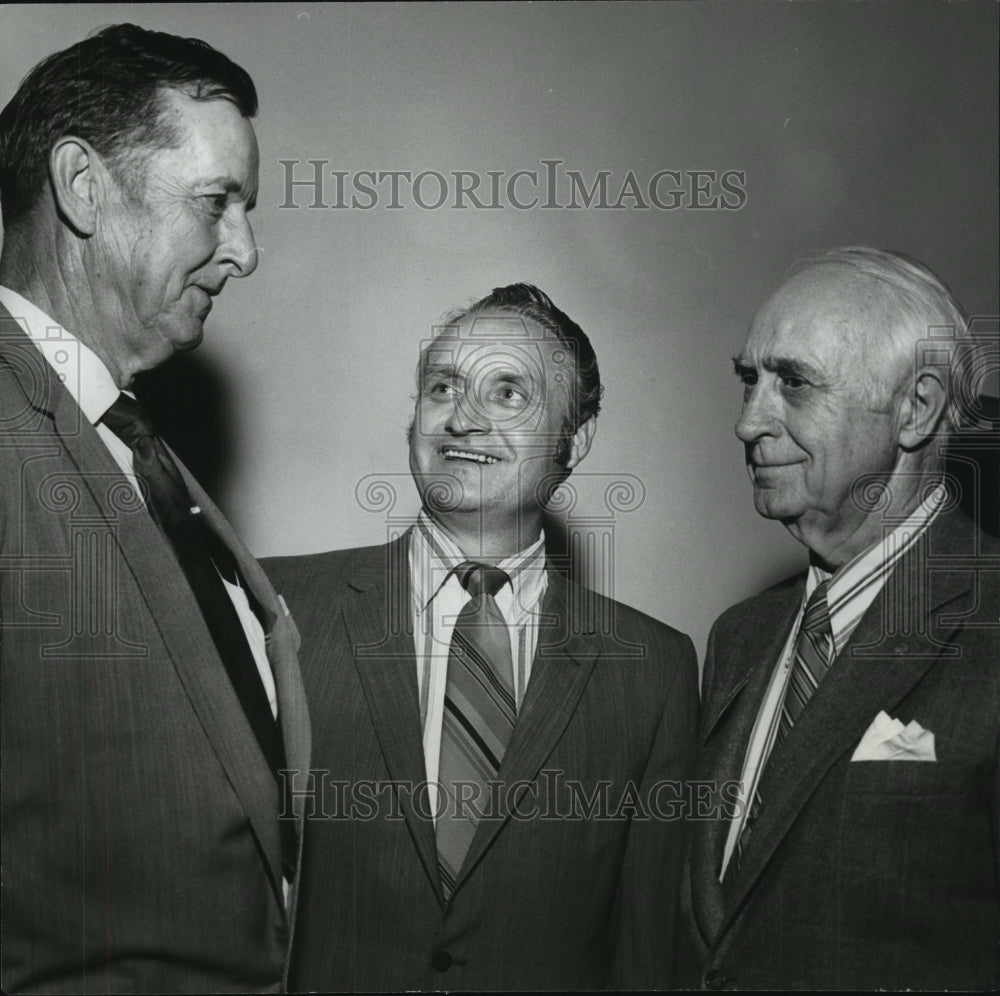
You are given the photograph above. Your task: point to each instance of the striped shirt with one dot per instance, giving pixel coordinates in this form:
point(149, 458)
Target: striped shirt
point(851, 591)
point(437, 598)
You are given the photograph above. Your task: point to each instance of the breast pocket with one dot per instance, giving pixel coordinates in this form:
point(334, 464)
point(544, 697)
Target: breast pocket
point(909, 778)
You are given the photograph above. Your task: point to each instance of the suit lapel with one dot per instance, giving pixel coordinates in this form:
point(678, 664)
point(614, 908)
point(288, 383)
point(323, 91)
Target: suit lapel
point(281, 644)
point(877, 669)
point(97, 482)
point(379, 625)
point(564, 659)
point(753, 653)
point(380, 628)
point(738, 693)
point(192, 652)
point(281, 635)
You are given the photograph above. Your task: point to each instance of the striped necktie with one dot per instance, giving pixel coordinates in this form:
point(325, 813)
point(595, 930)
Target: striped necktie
point(479, 715)
point(813, 657)
point(814, 653)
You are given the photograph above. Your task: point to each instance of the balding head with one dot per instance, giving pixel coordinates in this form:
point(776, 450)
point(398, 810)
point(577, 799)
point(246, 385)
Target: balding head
point(903, 315)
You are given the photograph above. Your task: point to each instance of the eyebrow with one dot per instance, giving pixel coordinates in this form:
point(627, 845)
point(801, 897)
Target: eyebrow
point(437, 368)
point(431, 369)
point(514, 376)
point(231, 186)
point(782, 366)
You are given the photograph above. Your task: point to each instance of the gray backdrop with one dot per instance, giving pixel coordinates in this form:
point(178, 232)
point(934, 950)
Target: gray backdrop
point(837, 123)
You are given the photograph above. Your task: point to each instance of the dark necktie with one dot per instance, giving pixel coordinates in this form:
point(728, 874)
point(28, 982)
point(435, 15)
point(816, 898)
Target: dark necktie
point(203, 558)
point(479, 714)
point(814, 653)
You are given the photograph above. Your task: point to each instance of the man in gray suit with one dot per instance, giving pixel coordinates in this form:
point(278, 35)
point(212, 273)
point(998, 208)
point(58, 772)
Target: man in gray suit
point(150, 689)
point(858, 703)
point(500, 753)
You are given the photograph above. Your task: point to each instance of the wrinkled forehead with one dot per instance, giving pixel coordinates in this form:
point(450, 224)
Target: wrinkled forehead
point(208, 133)
point(479, 344)
point(821, 311)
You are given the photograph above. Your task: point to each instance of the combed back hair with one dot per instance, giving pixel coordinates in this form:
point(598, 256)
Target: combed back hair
point(923, 320)
point(529, 302)
point(105, 90)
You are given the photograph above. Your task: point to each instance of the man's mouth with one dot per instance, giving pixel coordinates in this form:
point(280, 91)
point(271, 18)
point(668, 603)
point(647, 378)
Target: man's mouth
point(767, 471)
point(450, 453)
point(207, 293)
point(209, 290)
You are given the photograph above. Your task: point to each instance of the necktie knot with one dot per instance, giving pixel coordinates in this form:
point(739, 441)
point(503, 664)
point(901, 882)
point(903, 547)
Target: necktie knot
point(128, 421)
point(481, 579)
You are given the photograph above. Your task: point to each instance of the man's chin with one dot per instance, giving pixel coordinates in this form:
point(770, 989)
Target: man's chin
point(771, 504)
point(162, 343)
point(189, 337)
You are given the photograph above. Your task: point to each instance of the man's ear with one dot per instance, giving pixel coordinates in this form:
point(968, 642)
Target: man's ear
point(580, 443)
point(923, 412)
point(76, 170)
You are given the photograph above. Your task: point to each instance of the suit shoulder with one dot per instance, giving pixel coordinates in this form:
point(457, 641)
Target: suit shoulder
point(761, 605)
point(24, 388)
point(303, 573)
point(630, 622)
point(653, 663)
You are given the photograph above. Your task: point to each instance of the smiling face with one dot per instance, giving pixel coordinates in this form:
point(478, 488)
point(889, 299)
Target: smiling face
point(808, 424)
point(172, 232)
point(492, 404)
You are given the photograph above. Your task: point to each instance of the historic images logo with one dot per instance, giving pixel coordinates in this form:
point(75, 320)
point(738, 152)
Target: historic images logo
point(313, 184)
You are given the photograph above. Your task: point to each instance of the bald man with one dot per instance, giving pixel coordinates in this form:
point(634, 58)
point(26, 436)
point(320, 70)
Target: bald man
point(857, 703)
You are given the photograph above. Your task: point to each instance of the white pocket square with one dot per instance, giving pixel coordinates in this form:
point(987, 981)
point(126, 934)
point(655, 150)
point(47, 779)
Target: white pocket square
point(888, 740)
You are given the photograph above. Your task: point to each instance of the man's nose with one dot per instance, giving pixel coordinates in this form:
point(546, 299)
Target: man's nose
point(759, 414)
point(238, 250)
point(468, 414)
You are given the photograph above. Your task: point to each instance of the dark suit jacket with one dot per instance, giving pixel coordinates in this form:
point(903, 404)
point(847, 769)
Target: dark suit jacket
point(140, 845)
point(862, 874)
point(541, 903)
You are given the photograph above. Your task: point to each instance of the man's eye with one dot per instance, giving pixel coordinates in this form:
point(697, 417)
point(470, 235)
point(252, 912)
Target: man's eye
point(217, 203)
point(441, 388)
point(747, 377)
point(792, 383)
point(509, 395)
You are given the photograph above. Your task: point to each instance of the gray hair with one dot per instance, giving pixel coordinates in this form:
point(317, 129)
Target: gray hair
point(926, 324)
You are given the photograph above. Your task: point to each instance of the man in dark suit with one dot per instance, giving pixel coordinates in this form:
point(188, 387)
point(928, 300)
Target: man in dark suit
point(858, 703)
point(499, 752)
point(150, 689)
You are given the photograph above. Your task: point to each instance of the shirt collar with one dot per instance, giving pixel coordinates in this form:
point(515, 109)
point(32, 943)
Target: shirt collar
point(79, 369)
point(855, 580)
point(434, 555)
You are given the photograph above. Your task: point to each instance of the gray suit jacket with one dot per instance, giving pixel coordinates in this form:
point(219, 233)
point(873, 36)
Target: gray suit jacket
point(140, 845)
point(861, 875)
point(556, 902)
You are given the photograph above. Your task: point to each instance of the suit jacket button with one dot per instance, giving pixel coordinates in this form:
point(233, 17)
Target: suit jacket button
point(441, 960)
point(715, 980)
